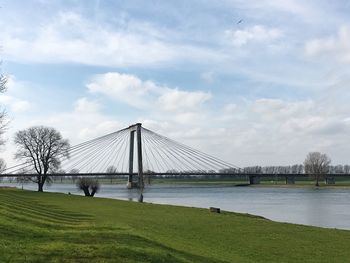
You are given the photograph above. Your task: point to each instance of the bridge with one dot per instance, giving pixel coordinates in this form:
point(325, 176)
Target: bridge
point(136, 152)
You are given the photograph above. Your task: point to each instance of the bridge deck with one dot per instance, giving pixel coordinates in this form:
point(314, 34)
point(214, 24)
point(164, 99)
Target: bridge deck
point(174, 174)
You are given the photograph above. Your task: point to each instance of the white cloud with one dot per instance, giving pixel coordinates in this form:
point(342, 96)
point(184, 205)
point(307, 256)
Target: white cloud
point(101, 128)
point(337, 47)
point(147, 94)
point(231, 107)
point(85, 106)
point(230, 112)
point(71, 38)
point(178, 100)
point(208, 77)
point(172, 111)
point(277, 131)
point(254, 34)
point(277, 108)
point(83, 123)
point(20, 106)
point(306, 11)
point(123, 87)
point(12, 98)
point(290, 6)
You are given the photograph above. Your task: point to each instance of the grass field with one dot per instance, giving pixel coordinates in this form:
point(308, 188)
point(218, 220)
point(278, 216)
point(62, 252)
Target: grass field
point(48, 227)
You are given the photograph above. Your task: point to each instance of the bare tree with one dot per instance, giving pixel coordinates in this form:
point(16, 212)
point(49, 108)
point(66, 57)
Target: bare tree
point(74, 171)
point(43, 148)
point(111, 170)
point(346, 169)
point(3, 122)
point(61, 177)
point(89, 186)
point(3, 82)
point(148, 174)
point(317, 165)
point(2, 167)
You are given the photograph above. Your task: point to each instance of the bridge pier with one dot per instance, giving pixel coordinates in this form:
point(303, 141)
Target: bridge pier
point(139, 158)
point(330, 180)
point(253, 179)
point(131, 184)
point(290, 180)
point(131, 159)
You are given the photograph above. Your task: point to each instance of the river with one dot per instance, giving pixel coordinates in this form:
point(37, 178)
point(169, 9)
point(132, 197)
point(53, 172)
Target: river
point(324, 207)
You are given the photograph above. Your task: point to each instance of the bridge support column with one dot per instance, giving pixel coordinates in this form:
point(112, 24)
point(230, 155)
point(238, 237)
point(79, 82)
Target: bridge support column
point(135, 128)
point(131, 159)
point(253, 179)
point(290, 180)
point(139, 157)
point(330, 180)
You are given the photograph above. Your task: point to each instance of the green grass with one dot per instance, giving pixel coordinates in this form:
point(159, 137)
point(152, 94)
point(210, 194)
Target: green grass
point(49, 227)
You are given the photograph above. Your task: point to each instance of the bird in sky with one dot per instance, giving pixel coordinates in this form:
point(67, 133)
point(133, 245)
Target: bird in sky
point(240, 21)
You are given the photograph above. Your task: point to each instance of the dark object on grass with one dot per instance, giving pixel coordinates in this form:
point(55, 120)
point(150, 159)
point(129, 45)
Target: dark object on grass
point(141, 198)
point(214, 209)
point(89, 186)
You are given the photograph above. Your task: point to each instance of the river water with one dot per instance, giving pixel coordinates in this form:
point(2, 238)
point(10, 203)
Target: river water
point(324, 207)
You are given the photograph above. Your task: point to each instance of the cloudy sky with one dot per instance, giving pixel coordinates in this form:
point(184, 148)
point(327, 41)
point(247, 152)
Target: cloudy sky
point(263, 91)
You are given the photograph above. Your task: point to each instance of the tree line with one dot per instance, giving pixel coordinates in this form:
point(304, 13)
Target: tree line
point(293, 169)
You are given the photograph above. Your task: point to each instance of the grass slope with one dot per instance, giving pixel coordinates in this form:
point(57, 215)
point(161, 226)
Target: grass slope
point(47, 227)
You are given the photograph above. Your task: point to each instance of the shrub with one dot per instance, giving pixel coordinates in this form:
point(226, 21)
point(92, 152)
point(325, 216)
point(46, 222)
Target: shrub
point(88, 185)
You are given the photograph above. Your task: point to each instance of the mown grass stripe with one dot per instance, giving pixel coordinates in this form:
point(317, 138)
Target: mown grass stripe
point(47, 209)
point(50, 214)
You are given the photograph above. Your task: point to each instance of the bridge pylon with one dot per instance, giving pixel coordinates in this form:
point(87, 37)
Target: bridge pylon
point(136, 128)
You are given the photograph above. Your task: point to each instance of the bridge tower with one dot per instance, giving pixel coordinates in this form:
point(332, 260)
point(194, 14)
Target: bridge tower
point(136, 128)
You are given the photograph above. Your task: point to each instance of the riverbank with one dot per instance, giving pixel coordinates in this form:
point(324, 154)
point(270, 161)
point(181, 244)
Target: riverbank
point(342, 182)
point(42, 227)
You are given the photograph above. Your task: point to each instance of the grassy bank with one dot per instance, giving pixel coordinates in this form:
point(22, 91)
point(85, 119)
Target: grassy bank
point(47, 227)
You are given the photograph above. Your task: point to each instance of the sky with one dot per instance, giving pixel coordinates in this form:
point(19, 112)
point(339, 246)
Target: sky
point(250, 82)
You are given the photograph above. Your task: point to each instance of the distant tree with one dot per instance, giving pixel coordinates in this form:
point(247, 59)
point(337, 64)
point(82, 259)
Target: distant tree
point(252, 170)
point(3, 122)
point(74, 171)
point(60, 177)
point(89, 186)
point(346, 169)
point(43, 148)
point(339, 169)
point(2, 167)
point(3, 82)
point(316, 165)
point(111, 170)
point(22, 177)
point(148, 175)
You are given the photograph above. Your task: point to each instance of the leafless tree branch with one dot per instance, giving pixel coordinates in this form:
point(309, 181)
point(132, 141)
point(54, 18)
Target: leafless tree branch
point(42, 147)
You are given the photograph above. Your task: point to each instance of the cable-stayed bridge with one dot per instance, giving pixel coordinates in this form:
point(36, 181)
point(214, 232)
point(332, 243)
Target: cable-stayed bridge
point(134, 152)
